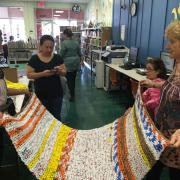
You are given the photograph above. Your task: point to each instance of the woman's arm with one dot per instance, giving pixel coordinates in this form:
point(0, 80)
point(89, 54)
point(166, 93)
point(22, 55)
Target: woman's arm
point(149, 84)
point(31, 74)
point(61, 70)
point(14, 92)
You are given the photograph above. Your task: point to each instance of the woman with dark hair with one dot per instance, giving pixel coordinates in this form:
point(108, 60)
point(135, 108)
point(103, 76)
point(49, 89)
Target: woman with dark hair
point(45, 68)
point(71, 54)
point(156, 72)
point(11, 38)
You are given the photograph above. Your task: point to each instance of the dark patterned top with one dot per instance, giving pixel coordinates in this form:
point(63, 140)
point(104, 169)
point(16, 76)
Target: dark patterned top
point(47, 87)
point(168, 118)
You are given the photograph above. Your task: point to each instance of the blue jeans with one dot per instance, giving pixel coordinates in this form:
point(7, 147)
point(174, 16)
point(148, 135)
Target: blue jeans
point(54, 106)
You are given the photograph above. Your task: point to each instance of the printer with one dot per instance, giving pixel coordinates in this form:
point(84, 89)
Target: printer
point(115, 54)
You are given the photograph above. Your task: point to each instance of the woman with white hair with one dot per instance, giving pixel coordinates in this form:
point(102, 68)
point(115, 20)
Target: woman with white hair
point(168, 116)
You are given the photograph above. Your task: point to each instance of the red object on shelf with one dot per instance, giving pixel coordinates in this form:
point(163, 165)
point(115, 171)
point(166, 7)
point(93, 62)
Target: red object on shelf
point(40, 4)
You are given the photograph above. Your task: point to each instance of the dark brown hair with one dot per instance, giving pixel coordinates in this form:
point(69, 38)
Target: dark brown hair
point(159, 66)
point(46, 38)
point(68, 33)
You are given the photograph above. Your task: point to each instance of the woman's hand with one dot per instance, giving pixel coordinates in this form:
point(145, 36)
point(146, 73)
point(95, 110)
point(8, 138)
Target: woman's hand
point(175, 139)
point(61, 70)
point(27, 92)
point(31, 74)
point(147, 83)
point(1, 115)
point(47, 73)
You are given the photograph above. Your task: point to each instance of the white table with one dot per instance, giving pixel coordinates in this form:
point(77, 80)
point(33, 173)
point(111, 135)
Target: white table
point(130, 73)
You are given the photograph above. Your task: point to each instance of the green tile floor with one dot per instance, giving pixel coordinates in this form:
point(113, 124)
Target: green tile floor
point(92, 108)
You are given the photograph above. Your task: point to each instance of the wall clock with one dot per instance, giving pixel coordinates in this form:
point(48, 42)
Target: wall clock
point(133, 8)
point(76, 8)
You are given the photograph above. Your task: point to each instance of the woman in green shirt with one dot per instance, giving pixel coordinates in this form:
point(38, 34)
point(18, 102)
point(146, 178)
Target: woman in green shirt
point(71, 54)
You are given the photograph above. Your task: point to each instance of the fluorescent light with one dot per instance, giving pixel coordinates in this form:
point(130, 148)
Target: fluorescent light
point(57, 15)
point(59, 12)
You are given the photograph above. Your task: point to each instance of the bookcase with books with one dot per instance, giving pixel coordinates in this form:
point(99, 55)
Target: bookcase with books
point(94, 39)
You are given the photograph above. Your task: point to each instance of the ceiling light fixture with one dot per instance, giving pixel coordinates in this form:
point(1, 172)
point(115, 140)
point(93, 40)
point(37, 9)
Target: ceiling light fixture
point(56, 15)
point(59, 12)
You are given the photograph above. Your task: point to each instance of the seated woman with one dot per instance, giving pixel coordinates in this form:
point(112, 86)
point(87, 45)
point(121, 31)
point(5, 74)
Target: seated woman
point(6, 103)
point(156, 72)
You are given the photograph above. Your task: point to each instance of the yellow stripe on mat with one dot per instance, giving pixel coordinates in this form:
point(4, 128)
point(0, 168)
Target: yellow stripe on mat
point(33, 162)
point(139, 144)
point(56, 154)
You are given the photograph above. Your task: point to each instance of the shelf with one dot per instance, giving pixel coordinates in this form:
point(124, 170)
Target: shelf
point(95, 45)
point(93, 40)
point(87, 57)
point(93, 37)
point(94, 29)
point(98, 51)
point(89, 67)
point(18, 59)
point(72, 32)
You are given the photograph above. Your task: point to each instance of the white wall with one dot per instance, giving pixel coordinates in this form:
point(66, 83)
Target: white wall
point(29, 16)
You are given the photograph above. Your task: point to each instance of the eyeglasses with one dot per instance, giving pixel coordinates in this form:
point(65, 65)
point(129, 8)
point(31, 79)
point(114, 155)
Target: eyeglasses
point(149, 69)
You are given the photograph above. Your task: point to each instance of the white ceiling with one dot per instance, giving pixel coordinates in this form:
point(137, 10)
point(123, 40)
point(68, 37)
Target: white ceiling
point(64, 1)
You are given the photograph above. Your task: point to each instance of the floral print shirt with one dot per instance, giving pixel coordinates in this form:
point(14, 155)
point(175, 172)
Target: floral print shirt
point(168, 118)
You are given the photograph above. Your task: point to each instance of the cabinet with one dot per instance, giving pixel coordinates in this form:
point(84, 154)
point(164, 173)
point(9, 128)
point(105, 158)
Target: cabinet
point(99, 79)
point(93, 40)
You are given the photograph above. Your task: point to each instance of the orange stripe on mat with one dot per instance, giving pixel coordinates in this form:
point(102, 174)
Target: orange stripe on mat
point(122, 150)
point(21, 128)
point(9, 120)
point(25, 137)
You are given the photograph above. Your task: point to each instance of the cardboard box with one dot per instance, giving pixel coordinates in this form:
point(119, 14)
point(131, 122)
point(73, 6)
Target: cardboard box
point(11, 74)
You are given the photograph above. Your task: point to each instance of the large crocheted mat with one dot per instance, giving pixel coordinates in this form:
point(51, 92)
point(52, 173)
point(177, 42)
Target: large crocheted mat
point(124, 149)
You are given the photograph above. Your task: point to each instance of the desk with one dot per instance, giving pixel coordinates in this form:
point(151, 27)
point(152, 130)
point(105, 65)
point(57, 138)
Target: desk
point(130, 73)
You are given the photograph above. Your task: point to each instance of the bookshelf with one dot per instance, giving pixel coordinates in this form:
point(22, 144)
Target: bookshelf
point(21, 51)
point(92, 41)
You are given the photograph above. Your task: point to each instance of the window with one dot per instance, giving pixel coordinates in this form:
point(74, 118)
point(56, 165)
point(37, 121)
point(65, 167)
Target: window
point(12, 23)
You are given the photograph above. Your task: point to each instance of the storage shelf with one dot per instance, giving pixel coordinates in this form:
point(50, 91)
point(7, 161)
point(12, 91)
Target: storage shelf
point(93, 40)
point(93, 37)
point(89, 67)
